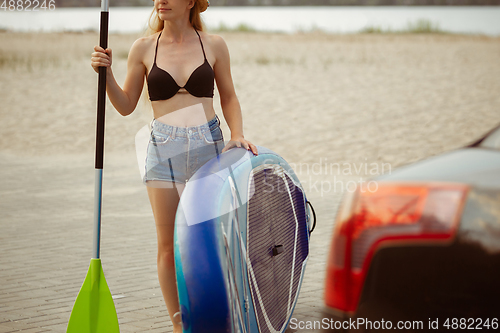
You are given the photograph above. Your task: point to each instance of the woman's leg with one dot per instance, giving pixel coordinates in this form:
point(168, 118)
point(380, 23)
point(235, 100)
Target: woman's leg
point(164, 203)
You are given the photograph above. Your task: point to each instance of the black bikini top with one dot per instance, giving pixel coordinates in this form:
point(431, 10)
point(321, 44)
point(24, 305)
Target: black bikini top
point(162, 86)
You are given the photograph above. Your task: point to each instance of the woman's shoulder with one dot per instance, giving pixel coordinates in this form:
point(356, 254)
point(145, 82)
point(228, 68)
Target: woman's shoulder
point(143, 43)
point(216, 42)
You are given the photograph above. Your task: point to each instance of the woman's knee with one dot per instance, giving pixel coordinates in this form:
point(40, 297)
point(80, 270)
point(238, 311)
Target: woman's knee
point(166, 256)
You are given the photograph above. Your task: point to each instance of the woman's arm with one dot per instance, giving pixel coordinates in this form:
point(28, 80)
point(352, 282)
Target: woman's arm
point(124, 100)
point(229, 101)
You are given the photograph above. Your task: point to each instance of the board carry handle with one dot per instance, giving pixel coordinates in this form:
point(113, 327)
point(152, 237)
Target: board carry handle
point(314, 215)
point(277, 249)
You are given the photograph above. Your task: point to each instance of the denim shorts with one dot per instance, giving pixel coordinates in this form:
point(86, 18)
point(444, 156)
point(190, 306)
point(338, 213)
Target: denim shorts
point(175, 153)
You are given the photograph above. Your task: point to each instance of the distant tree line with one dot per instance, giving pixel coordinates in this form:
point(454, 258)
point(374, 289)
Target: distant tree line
point(117, 3)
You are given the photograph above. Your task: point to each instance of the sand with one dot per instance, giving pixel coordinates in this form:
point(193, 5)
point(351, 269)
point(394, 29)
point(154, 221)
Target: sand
point(361, 101)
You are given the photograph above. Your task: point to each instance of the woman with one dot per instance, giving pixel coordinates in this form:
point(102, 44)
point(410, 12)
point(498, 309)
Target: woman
point(185, 131)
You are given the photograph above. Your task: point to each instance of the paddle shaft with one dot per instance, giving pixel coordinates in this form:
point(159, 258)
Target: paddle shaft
point(99, 151)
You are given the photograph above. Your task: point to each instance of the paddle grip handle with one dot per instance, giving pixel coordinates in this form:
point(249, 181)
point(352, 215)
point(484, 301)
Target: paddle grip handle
point(101, 95)
point(99, 151)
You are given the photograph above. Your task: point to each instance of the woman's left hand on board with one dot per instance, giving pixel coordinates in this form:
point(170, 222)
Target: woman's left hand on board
point(240, 143)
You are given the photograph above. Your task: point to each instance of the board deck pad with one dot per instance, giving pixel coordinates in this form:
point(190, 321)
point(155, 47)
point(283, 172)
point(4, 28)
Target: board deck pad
point(241, 243)
point(275, 213)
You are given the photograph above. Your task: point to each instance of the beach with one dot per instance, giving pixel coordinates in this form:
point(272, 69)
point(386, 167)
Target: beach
point(338, 108)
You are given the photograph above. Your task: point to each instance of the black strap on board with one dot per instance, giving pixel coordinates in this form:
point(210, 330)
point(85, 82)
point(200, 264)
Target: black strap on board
point(314, 215)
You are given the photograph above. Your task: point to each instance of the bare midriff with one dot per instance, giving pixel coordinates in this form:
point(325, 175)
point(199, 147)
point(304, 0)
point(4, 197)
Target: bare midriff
point(184, 110)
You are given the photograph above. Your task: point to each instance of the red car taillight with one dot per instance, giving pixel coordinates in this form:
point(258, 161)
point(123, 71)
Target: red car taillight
point(393, 214)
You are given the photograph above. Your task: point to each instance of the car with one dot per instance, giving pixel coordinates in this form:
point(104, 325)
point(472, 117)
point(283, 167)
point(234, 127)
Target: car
point(421, 252)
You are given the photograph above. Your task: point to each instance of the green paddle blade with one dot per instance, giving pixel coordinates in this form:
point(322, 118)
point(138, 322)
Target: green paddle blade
point(94, 310)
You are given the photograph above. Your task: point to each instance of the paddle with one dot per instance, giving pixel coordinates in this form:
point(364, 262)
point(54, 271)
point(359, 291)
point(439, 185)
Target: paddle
point(94, 310)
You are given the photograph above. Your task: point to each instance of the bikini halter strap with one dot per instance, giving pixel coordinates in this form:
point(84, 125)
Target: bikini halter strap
point(158, 39)
point(202, 48)
point(156, 51)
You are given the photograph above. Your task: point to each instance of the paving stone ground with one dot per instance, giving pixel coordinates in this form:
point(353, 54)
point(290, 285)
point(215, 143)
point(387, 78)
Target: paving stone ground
point(46, 212)
point(383, 98)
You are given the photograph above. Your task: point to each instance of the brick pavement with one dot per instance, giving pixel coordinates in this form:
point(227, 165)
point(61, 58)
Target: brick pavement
point(46, 210)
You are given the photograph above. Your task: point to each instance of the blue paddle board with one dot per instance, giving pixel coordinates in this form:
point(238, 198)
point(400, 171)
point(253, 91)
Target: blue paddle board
point(241, 244)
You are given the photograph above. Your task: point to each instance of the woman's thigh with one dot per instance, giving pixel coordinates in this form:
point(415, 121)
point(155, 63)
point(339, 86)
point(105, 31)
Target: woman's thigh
point(164, 202)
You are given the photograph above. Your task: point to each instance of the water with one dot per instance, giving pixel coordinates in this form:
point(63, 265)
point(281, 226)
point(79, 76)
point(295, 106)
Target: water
point(475, 20)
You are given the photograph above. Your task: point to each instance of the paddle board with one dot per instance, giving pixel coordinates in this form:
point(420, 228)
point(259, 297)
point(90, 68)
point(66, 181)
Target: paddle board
point(241, 244)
